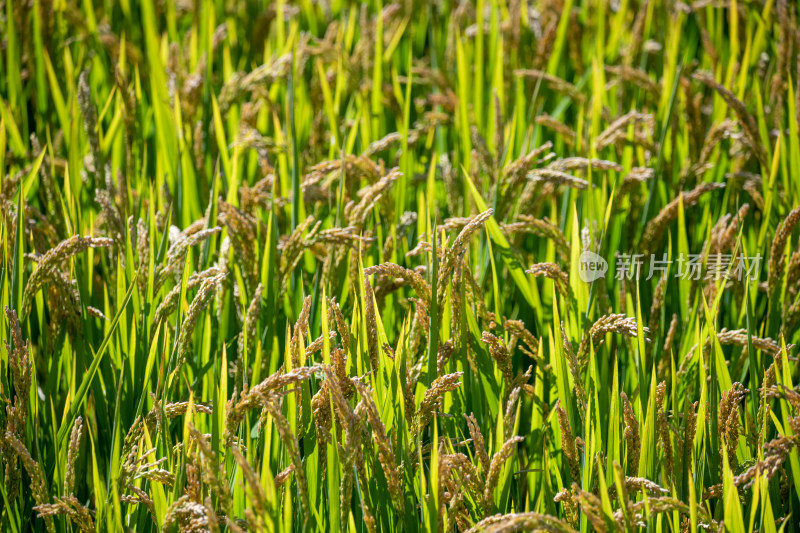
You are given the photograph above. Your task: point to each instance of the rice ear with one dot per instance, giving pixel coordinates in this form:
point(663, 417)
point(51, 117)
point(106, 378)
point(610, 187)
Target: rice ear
point(568, 447)
point(654, 230)
point(631, 434)
point(72, 455)
point(38, 485)
point(576, 369)
point(198, 305)
point(664, 432)
point(385, 452)
point(49, 264)
point(439, 388)
point(499, 459)
point(748, 122)
point(777, 251)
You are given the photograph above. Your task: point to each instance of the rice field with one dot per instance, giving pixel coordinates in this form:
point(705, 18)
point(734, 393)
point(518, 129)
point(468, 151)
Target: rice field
point(502, 265)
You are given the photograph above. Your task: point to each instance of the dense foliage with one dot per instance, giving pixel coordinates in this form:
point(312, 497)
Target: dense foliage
point(503, 265)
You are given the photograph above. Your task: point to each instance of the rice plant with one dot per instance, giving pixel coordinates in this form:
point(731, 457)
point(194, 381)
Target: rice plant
point(415, 266)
